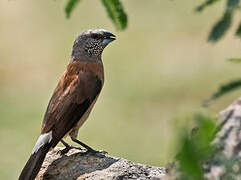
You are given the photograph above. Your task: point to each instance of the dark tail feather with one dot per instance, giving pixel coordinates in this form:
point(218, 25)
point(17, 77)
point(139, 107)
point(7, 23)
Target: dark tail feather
point(32, 167)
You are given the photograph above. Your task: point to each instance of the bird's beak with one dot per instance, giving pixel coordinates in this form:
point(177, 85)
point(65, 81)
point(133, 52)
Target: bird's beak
point(109, 34)
point(109, 38)
point(106, 41)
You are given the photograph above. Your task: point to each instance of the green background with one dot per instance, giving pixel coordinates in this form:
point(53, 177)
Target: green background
point(157, 73)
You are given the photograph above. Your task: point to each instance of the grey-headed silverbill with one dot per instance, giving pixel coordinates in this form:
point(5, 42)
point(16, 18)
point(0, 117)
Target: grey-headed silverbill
point(73, 98)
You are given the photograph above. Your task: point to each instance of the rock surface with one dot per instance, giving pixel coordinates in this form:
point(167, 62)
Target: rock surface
point(80, 165)
point(226, 164)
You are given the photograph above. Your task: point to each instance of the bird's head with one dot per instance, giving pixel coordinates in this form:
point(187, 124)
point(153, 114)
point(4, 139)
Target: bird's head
point(90, 44)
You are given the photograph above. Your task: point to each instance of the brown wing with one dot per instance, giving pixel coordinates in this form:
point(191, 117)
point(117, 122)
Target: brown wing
point(74, 94)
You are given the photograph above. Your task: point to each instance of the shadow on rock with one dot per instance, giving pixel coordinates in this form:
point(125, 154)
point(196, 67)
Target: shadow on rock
point(75, 165)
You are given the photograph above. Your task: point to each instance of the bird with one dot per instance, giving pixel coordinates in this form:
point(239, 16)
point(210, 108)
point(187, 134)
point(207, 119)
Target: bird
point(72, 99)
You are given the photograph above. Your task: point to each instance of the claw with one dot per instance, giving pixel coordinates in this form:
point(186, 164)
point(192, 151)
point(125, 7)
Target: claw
point(67, 148)
point(64, 151)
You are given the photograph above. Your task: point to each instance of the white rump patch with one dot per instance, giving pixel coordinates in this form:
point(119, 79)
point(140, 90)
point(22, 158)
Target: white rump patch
point(43, 139)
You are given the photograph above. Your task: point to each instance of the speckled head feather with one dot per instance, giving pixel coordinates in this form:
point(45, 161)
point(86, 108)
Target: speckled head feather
point(90, 44)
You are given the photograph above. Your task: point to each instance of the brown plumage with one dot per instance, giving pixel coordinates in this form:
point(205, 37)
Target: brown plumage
point(73, 98)
point(77, 91)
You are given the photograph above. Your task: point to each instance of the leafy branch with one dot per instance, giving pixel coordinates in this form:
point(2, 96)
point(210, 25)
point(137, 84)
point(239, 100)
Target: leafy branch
point(116, 13)
point(206, 4)
point(224, 89)
point(222, 26)
point(114, 10)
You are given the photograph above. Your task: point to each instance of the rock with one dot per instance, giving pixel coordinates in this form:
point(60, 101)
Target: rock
point(80, 165)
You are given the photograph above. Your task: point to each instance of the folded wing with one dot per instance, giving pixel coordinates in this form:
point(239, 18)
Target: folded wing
point(74, 94)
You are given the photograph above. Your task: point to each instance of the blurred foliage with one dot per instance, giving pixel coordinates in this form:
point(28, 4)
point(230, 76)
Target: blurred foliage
point(116, 13)
point(70, 7)
point(199, 153)
point(206, 4)
point(238, 32)
point(224, 89)
point(217, 32)
point(221, 27)
point(235, 60)
point(114, 9)
point(197, 148)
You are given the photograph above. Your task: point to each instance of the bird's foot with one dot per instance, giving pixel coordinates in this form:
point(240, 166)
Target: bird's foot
point(68, 148)
point(64, 151)
point(88, 148)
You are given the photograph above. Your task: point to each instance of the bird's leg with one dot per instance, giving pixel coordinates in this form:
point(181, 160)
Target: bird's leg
point(86, 146)
point(67, 147)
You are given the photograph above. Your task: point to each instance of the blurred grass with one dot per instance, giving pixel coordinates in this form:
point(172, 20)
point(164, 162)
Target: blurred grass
point(157, 72)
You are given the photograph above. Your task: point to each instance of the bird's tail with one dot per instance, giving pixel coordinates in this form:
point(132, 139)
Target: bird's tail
point(32, 167)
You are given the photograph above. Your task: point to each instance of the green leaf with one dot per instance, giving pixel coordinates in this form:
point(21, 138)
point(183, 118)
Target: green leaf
point(206, 132)
point(220, 27)
point(197, 148)
point(70, 6)
point(116, 13)
point(232, 4)
point(190, 167)
point(236, 60)
point(238, 32)
point(224, 89)
point(205, 4)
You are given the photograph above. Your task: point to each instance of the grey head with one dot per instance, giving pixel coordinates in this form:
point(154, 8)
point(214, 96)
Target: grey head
point(90, 44)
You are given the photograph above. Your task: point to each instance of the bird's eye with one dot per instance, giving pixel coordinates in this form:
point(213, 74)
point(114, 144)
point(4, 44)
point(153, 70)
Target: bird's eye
point(95, 36)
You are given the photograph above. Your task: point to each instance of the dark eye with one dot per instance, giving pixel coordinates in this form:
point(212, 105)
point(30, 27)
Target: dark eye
point(95, 36)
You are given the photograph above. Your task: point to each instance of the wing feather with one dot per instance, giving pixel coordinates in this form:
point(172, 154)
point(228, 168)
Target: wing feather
point(71, 99)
